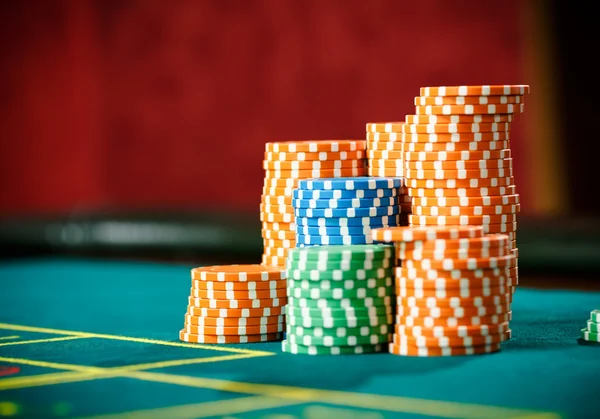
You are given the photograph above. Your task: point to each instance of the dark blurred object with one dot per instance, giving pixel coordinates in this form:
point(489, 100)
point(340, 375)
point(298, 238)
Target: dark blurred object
point(546, 245)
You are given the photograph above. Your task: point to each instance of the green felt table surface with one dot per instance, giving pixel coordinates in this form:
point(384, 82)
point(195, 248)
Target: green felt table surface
point(95, 338)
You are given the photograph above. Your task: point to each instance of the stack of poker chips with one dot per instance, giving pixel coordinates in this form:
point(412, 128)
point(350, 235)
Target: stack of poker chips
point(385, 158)
point(343, 211)
point(235, 304)
point(340, 299)
point(590, 335)
point(287, 162)
point(457, 158)
point(453, 295)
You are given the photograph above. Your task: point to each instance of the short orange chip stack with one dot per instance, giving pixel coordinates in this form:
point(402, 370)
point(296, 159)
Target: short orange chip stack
point(235, 304)
point(287, 162)
point(452, 290)
point(385, 158)
point(457, 158)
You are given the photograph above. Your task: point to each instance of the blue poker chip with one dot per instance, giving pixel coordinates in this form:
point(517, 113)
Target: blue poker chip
point(351, 183)
point(375, 222)
point(343, 194)
point(346, 203)
point(334, 230)
point(332, 240)
point(346, 212)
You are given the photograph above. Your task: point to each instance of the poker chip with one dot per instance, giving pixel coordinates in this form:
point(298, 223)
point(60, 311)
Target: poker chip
point(345, 203)
point(458, 164)
point(344, 194)
point(315, 146)
point(316, 240)
point(441, 192)
point(326, 231)
point(302, 156)
point(459, 174)
point(454, 146)
point(507, 89)
point(457, 155)
point(198, 338)
point(334, 322)
point(437, 220)
point(457, 211)
point(467, 100)
point(590, 335)
point(343, 253)
point(350, 183)
point(457, 119)
point(293, 348)
point(381, 221)
point(470, 109)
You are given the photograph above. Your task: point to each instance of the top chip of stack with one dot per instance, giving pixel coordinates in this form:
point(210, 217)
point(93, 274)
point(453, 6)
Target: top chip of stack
point(287, 162)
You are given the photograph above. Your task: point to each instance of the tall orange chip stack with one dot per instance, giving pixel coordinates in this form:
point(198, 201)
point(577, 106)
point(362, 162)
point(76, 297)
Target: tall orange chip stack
point(287, 162)
point(457, 158)
point(385, 158)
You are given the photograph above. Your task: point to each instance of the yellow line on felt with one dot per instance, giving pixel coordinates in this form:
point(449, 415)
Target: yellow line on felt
point(7, 326)
point(9, 337)
point(27, 342)
point(203, 410)
point(191, 361)
point(362, 400)
point(54, 378)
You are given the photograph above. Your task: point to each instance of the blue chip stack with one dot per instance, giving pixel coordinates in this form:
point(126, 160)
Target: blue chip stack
point(342, 211)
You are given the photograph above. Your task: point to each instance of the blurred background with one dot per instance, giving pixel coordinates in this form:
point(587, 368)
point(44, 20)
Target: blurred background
point(136, 128)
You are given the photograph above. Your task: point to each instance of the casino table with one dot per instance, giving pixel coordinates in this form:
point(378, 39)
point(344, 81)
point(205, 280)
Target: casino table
point(90, 337)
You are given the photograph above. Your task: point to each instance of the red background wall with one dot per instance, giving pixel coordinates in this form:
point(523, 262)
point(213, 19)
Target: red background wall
point(168, 104)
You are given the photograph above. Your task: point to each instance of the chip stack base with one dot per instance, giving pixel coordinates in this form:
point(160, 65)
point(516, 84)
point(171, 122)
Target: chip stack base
point(285, 163)
point(452, 289)
point(340, 300)
point(235, 304)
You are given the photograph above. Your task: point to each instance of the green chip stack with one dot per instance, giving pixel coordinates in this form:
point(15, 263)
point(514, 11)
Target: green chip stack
point(340, 299)
point(590, 335)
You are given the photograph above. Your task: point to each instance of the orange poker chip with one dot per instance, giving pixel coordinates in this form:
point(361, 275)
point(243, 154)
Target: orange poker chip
point(256, 303)
point(274, 191)
point(384, 126)
point(459, 174)
point(384, 154)
point(441, 254)
point(491, 90)
point(273, 261)
point(233, 322)
point(312, 165)
point(277, 209)
point(504, 228)
point(452, 288)
point(455, 128)
point(419, 142)
point(456, 302)
point(314, 146)
point(194, 338)
point(459, 164)
point(457, 119)
point(467, 100)
point(281, 252)
point(316, 156)
point(234, 331)
point(453, 321)
point(279, 226)
point(278, 235)
point(462, 192)
point(466, 201)
point(452, 292)
point(515, 252)
point(456, 275)
point(276, 200)
point(406, 350)
point(446, 342)
point(239, 286)
point(409, 234)
point(456, 146)
point(290, 183)
point(237, 273)
point(460, 183)
point(383, 137)
point(469, 211)
point(309, 174)
point(386, 163)
point(486, 241)
point(453, 332)
point(435, 220)
point(274, 243)
point(470, 109)
point(385, 145)
point(385, 172)
point(276, 218)
point(457, 155)
point(458, 312)
point(239, 294)
point(471, 263)
point(235, 312)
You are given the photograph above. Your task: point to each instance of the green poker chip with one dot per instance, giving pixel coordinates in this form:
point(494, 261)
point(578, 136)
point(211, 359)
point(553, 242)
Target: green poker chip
point(320, 313)
point(590, 336)
point(340, 293)
point(347, 284)
point(595, 316)
point(306, 340)
point(333, 322)
point(341, 265)
point(337, 275)
point(351, 252)
point(593, 326)
point(340, 331)
point(292, 348)
point(342, 303)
